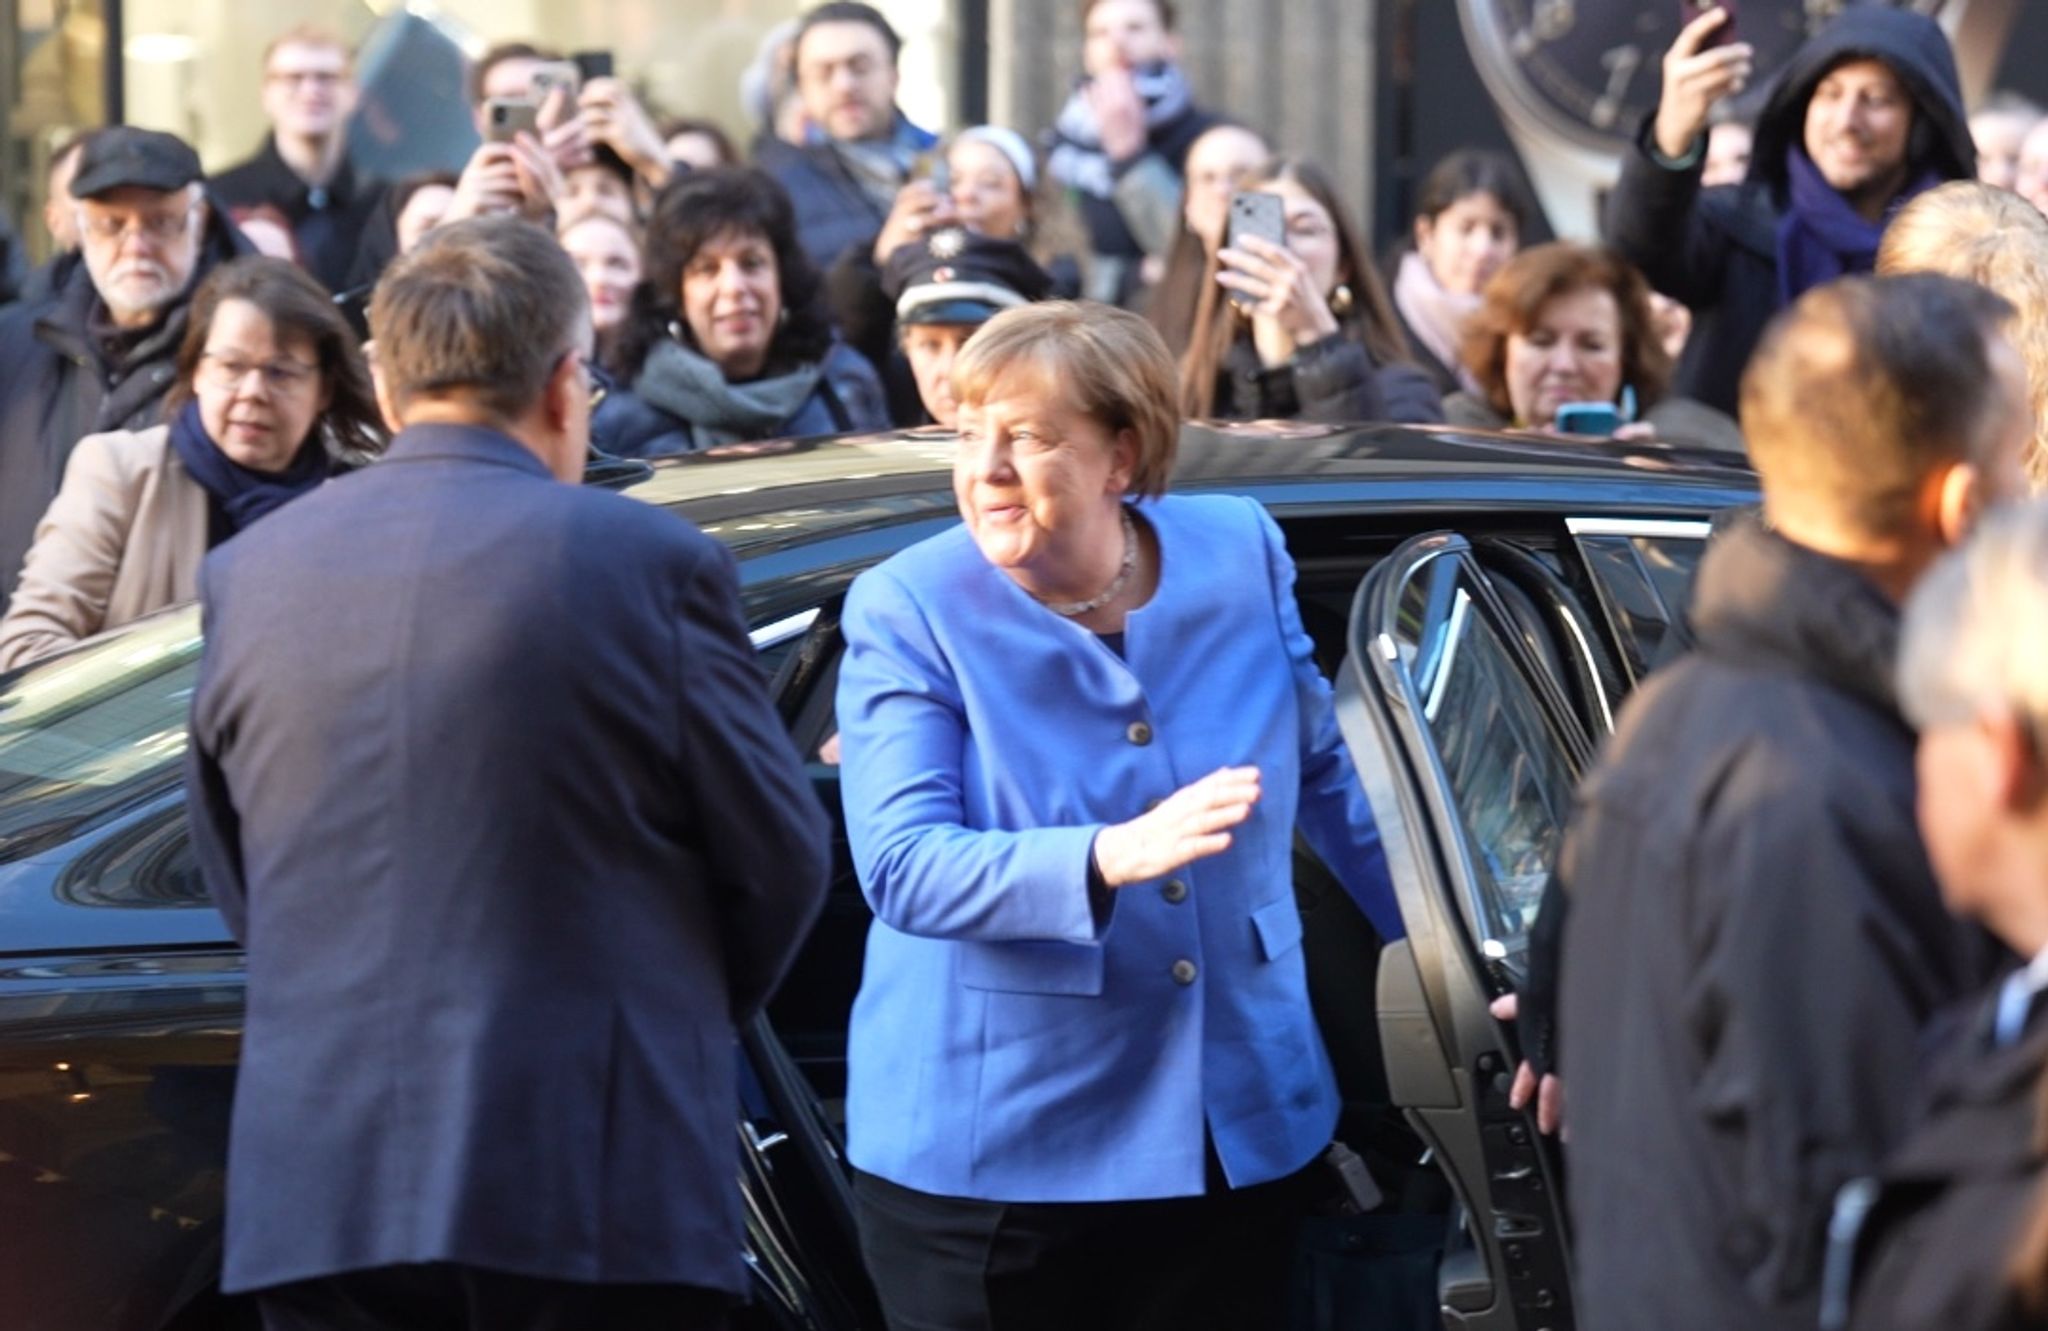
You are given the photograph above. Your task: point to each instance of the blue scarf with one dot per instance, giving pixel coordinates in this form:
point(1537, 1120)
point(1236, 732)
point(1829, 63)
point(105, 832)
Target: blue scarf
point(1821, 237)
point(240, 495)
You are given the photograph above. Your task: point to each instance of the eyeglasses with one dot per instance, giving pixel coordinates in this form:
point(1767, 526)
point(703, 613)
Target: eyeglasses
point(594, 379)
point(279, 376)
point(318, 78)
point(159, 227)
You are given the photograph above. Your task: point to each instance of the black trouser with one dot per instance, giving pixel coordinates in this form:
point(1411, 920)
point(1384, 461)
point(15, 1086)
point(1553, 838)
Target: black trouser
point(442, 1296)
point(1220, 1260)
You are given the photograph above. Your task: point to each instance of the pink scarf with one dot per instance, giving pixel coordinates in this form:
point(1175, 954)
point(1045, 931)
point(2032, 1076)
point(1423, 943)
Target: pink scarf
point(1435, 315)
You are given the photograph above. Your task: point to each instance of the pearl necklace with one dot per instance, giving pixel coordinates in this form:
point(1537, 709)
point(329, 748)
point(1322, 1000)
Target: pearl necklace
point(1070, 609)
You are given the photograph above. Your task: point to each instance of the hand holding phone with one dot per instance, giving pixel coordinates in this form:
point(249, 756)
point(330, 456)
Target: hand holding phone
point(1704, 66)
point(1255, 213)
point(1689, 11)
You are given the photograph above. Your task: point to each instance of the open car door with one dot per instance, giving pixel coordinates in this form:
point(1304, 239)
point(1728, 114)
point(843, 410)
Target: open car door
point(1470, 755)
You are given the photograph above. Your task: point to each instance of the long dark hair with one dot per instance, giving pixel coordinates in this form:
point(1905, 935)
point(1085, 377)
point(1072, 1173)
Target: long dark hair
point(1369, 320)
point(297, 306)
point(693, 210)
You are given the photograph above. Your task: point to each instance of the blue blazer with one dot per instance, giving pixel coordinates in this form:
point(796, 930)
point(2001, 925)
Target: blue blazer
point(484, 774)
point(1011, 1042)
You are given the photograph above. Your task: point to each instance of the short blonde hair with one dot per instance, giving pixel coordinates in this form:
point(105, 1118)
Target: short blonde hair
point(1110, 364)
point(1996, 239)
point(310, 34)
point(1975, 635)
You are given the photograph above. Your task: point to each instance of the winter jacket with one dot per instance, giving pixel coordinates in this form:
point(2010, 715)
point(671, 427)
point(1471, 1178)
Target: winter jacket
point(60, 381)
point(833, 212)
point(328, 221)
point(1952, 1203)
point(1755, 942)
point(847, 400)
point(1332, 382)
point(1716, 250)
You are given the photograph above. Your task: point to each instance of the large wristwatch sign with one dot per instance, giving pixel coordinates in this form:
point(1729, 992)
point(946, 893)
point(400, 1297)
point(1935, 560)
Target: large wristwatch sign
point(1574, 78)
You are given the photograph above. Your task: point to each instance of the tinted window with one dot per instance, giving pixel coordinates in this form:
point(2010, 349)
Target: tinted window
point(1645, 584)
point(1508, 774)
point(94, 731)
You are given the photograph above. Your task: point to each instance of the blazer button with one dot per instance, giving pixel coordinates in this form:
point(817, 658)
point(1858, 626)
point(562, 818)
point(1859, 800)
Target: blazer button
point(1139, 733)
point(1174, 890)
point(1184, 971)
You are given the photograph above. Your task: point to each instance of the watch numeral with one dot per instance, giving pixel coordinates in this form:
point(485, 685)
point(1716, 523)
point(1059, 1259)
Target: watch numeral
point(1552, 19)
point(1621, 64)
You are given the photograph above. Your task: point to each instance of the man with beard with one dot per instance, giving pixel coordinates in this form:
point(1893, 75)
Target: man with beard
point(854, 176)
point(97, 353)
point(1864, 116)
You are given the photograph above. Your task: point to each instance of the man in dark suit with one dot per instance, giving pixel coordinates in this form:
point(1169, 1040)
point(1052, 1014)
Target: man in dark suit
point(1953, 1230)
point(484, 776)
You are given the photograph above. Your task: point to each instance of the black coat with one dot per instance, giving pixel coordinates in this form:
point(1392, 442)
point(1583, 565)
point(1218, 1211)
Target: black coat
point(59, 382)
point(484, 774)
point(1331, 382)
point(1956, 1196)
point(1716, 250)
point(1754, 943)
point(329, 223)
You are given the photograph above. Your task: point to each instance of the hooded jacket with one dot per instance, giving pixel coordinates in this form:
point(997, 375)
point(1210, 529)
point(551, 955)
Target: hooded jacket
point(60, 382)
point(1724, 262)
point(1754, 945)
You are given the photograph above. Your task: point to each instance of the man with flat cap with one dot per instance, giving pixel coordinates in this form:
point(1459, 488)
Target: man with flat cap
point(943, 288)
point(98, 352)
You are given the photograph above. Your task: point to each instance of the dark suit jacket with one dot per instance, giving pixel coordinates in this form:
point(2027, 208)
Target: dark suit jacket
point(1962, 1188)
point(485, 777)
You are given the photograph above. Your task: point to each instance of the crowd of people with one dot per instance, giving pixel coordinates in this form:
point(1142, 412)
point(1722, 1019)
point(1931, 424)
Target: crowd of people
point(1747, 938)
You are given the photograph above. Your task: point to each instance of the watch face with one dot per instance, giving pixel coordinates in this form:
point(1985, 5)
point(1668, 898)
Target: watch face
point(1592, 69)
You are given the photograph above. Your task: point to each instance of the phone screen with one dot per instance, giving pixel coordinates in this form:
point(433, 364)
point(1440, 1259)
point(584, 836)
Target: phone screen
point(593, 64)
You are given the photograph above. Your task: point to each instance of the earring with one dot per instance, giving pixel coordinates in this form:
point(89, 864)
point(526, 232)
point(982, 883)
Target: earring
point(782, 319)
point(1340, 300)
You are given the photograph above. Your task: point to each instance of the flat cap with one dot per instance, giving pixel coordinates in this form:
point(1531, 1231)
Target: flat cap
point(123, 155)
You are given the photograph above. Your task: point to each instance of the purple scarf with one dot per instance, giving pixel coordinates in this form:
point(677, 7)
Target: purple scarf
point(1821, 237)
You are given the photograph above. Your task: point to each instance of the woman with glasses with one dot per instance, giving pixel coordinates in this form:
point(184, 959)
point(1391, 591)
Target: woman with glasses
point(1301, 330)
point(271, 397)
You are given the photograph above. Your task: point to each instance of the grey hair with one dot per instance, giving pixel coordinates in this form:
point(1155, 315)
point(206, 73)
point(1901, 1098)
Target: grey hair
point(1975, 634)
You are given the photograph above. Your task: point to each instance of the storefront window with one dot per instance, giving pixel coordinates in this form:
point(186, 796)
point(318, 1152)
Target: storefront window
point(194, 67)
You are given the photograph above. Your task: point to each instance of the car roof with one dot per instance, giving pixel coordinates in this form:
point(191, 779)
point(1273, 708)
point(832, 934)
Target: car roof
point(759, 496)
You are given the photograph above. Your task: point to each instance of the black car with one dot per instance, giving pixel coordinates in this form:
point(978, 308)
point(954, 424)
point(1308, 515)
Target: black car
point(1483, 603)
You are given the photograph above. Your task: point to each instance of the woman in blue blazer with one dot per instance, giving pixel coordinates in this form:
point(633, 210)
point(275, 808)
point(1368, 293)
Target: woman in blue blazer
point(1078, 733)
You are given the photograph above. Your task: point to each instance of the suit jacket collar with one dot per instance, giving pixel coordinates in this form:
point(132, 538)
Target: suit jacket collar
point(465, 443)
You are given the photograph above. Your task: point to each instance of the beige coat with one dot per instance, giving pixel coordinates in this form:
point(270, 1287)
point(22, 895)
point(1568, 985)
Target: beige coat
point(123, 537)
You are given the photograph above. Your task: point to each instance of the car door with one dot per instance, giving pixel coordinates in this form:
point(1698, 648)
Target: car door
point(1470, 753)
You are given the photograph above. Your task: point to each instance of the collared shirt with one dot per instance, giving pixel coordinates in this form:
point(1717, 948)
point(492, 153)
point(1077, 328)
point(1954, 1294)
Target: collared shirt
point(2016, 1000)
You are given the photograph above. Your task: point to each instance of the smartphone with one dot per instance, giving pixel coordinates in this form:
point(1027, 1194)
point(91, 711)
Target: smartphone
point(1597, 420)
point(556, 74)
point(506, 117)
point(932, 166)
point(1255, 214)
point(592, 64)
point(1688, 10)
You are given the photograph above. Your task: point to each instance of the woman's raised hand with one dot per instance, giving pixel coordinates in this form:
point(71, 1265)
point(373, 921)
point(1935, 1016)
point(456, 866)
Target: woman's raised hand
point(1287, 312)
point(1191, 824)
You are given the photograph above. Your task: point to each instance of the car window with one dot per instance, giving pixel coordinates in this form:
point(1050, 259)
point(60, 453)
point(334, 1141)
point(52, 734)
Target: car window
point(1643, 571)
point(94, 730)
point(1507, 770)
